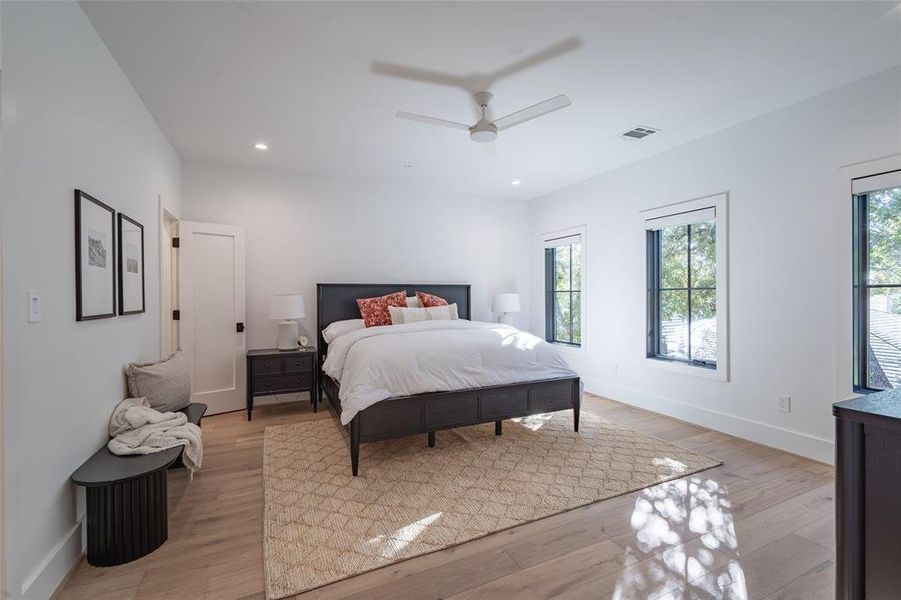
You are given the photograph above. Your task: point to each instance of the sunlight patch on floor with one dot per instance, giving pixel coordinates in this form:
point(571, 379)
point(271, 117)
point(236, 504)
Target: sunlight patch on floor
point(679, 527)
point(534, 422)
point(675, 467)
point(391, 544)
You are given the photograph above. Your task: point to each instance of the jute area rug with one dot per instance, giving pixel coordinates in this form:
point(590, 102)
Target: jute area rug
point(321, 524)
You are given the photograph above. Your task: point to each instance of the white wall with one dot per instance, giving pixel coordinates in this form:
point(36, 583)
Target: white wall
point(70, 120)
point(787, 283)
point(305, 230)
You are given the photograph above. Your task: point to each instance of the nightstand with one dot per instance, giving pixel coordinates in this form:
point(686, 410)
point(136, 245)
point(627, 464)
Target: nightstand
point(274, 371)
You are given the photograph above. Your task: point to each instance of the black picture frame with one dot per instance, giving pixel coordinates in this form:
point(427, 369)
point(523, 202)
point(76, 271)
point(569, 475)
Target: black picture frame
point(125, 265)
point(82, 199)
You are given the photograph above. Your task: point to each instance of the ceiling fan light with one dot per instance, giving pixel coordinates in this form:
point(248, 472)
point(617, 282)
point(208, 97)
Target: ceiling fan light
point(483, 136)
point(483, 132)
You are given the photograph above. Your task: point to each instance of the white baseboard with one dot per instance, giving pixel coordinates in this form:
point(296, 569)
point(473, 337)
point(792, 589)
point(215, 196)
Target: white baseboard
point(809, 446)
point(44, 580)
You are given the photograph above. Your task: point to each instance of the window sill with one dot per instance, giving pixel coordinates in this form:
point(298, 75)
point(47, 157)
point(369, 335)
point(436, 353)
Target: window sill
point(717, 374)
point(568, 348)
point(859, 391)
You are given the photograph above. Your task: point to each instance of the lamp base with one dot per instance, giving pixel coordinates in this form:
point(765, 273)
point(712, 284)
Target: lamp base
point(287, 335)
point(505, 319)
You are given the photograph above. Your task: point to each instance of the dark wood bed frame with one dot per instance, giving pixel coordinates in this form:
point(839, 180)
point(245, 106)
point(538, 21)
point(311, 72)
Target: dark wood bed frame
point(428, 413)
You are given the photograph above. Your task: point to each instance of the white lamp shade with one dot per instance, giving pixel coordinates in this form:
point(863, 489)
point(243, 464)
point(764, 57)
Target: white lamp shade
point(287, 306)
point(505, 303)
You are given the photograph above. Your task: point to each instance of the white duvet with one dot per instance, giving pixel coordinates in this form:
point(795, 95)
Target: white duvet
point(376, 363)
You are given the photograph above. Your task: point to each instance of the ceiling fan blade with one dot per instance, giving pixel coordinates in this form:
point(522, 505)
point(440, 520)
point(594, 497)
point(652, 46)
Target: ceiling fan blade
point(431, 120)
point(416, 74)
point(532, 112)
point(532, 60)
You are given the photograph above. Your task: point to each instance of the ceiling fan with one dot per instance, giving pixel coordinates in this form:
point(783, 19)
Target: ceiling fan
point(485, 130)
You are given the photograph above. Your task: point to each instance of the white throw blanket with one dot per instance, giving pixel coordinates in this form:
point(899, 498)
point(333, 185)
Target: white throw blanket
point(138, 429)
point(376, 363)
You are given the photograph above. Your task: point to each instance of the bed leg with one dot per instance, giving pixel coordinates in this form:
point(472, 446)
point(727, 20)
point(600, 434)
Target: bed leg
point(354, 445)
point(577, 400)
point(431, 439)
point(498, 427)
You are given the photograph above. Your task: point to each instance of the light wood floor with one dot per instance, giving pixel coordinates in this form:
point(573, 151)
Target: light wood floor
point(760, 526)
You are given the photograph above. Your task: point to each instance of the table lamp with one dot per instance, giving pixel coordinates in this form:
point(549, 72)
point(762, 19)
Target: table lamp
point(285, 308)
point(505, 305)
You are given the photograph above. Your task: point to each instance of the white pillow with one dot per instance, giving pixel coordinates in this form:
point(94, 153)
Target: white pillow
point(339, 328)
point(413, 302)
point(400, 315)
point(447, 312)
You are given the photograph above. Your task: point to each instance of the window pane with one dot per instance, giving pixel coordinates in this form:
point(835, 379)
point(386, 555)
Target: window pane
point(561, 268)
point(562, 316)
point(576, 266)
point(577, 316)
point(674, 324)
point(703, 325)
point(884, 216)
point(703, 254)
point(674, 257)
point(884, 340)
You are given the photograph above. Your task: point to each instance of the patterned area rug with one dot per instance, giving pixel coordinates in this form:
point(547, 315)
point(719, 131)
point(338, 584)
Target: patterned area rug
point(321, 524)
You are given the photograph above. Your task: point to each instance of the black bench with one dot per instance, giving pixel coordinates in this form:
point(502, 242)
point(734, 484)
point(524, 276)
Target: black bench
point(127, 514)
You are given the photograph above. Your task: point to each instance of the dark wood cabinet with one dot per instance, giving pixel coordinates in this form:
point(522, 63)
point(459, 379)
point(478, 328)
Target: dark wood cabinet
point(271, 372)
point(868, 496)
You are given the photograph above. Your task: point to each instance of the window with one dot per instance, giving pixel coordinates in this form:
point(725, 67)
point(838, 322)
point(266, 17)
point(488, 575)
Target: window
point(563, 289)
point(877, 282)
point(686, 321)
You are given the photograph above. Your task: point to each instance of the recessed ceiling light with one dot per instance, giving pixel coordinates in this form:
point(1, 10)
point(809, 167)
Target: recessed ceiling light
point(515, 182)
point(261, 146)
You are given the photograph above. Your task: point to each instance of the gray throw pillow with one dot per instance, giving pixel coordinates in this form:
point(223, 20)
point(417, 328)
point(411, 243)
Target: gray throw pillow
point(166, 384)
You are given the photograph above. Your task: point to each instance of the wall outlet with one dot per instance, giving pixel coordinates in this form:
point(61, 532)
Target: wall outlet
point(784, 403)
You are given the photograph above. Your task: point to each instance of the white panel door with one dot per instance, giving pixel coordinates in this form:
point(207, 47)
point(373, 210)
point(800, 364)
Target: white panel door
point(211, 301)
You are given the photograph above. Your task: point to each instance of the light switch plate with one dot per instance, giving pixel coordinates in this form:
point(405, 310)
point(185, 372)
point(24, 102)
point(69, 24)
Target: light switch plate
point(34, 306)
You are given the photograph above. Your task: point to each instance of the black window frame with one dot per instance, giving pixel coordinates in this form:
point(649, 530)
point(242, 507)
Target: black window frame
point(550, 294)
point(654, 287)
point(861, 286)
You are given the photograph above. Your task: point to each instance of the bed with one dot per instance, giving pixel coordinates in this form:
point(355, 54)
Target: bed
point(427, 413)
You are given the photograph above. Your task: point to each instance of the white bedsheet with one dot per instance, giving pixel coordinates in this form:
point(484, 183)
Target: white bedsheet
point(376, 363)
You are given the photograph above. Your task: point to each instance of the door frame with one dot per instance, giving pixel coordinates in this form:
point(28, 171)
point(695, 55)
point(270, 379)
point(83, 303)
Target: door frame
point(2, 448)
point(169, 278)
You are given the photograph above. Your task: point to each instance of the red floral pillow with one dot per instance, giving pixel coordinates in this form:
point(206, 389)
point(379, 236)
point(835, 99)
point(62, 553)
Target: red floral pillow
point(429, 300)
point(375, 310)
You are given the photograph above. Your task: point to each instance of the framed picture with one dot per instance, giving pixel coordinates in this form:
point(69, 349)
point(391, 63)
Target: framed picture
point(131, 266)
point(95, 277)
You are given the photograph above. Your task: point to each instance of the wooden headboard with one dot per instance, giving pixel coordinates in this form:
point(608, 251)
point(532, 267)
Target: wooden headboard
point(338, 301)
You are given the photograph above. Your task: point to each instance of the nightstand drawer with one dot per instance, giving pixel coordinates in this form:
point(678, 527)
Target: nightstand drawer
point(284, 383)
point(272, 371)
point(267, 366)
point(299, 364)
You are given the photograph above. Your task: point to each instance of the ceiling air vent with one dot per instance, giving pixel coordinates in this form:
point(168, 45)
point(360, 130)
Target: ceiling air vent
point(638, 133)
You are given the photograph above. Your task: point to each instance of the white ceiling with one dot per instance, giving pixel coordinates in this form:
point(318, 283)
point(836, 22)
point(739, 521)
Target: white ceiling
point(220, 76)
